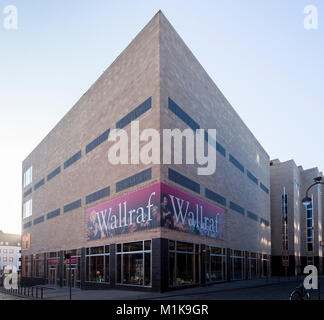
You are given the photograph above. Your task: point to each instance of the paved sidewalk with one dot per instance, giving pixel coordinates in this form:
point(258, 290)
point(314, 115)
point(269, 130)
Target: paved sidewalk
point(5, 296)
point(57, 293)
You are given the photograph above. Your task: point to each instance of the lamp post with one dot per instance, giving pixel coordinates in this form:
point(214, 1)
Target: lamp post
point(306, 202)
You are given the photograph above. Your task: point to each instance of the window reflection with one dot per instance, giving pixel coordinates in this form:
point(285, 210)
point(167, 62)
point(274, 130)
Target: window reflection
point(134, 263)
point(97, 264)
point(237, 261)
point(183, 263)
point(215, 264)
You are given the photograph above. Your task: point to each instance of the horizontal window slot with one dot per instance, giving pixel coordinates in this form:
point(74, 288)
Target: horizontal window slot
point(134, 114)
point(134, 180)
point(183, 181)
point(53, 173)
point(237, 208)
point(105, 192)
point(73, 159)
point(215, 197)
point(72, 206)
point(98, 141)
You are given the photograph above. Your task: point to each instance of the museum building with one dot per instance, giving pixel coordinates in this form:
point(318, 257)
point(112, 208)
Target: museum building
point(296, 229)
point(146, 225)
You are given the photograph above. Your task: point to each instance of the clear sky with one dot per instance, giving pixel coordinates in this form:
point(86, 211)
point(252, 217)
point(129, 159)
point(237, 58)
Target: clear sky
point(258, 53)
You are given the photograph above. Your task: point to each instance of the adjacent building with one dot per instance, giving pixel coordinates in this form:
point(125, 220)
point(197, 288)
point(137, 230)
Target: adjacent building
point(296, 230)
point(148, 225)
point(10, 251)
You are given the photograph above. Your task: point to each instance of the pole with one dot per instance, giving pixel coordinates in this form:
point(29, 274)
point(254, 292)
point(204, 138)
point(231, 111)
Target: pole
point(70, 281)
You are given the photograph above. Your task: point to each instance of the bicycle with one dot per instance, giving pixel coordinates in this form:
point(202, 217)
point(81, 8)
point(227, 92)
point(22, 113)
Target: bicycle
point(300, 293)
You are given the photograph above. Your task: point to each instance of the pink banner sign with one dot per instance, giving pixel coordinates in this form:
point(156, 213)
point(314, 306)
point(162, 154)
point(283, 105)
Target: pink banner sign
point(184, 212)
point(158, 205)
point(136, 211)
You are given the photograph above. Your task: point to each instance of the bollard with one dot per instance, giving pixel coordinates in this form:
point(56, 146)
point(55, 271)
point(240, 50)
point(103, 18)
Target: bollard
point(24, 291)
point(36, 292)
point(28, 291)
point(42, 293)
point(32, 291)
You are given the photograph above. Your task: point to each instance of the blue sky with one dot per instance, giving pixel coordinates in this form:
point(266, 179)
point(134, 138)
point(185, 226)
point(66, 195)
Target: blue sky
point(257, 51)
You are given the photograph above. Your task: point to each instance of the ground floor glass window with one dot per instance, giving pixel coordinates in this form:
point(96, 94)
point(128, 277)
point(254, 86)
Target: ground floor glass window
point(253, 265)
point(74, 272)
point(53, 268)
point(134, 265)
point(237, 261)
point(215, 264)
point(183, 263)
point(38, 265)
point(265, 265)
point(97, 264)
point(26, 266)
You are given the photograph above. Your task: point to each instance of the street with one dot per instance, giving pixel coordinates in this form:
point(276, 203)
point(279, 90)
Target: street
point(279, 291)
point(261, 289)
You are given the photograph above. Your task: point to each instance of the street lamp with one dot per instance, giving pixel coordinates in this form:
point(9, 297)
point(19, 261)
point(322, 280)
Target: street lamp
point(306, 202)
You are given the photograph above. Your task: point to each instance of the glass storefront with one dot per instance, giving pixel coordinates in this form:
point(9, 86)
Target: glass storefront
point(253, 265)
point(38, 265)
point(183, 263)
point(265, 260)
point(26, 266)
point(72, 273)
point(134, 265)
point(53, 268)
point(97, 264)
point(188, 264)
point(215, 264)
point(237, 262)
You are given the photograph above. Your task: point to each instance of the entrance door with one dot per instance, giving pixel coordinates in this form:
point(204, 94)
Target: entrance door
point(52, 277)
point(73, 277)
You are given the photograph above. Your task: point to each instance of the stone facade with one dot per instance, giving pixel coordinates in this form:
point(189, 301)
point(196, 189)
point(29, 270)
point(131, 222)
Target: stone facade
point(292, 180)
point(156, 64)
